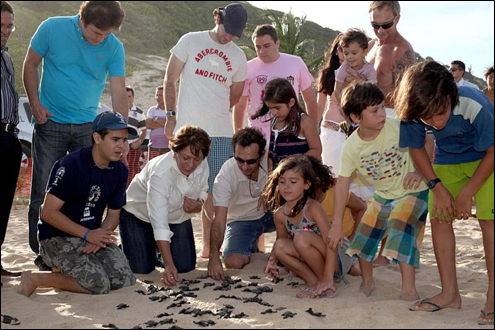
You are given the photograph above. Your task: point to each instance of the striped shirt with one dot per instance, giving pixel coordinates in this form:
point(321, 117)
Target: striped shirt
point(10, 98)
point(284, 144)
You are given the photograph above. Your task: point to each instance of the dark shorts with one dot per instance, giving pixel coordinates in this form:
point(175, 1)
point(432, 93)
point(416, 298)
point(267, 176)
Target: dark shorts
point(98, 273)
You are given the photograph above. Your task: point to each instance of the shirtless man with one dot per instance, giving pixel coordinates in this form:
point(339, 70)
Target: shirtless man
point(390, 53)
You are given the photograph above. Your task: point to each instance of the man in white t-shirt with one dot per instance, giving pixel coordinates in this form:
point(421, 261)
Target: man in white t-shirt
point(271, 64)
point(212, 70)
point(240, 218)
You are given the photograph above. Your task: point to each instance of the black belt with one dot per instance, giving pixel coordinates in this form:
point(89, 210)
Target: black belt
point(9, 128)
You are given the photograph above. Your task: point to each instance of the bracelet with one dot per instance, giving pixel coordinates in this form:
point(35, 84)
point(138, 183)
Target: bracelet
point(86, 235)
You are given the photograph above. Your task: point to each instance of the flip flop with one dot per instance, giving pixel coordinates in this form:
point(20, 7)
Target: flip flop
point(485, 316)
point(427, 302)
point(10, 320)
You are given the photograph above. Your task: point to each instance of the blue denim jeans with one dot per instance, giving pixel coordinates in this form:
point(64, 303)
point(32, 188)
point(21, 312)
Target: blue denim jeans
point(140, 248)
point(51, 141)
point(242, 237)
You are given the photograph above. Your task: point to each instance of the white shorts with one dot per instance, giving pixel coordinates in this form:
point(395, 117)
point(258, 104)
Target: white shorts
point(332, 143)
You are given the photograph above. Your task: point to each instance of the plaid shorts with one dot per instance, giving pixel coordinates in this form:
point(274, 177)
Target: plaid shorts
point(221, 151)
point(404, 219)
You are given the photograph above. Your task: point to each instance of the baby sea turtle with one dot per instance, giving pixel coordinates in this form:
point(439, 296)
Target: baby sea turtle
point(205, 323)
point(122, 306)
point(311, 312)
point(287, 315)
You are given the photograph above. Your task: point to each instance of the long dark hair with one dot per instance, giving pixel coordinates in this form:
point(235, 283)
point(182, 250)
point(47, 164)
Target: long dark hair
point(311, 169)
point(281, 91)
point(326, 80)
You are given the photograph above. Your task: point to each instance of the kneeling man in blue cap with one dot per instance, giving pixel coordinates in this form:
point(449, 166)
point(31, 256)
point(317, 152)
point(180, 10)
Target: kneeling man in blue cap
point(74, 238)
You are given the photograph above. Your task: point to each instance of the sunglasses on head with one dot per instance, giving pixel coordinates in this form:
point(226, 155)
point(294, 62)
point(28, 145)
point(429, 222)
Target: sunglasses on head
point(384, 26)
point(249, 162)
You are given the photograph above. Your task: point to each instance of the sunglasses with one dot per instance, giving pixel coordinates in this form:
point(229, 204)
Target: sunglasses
point(454, 69)
point(249, 162)
point(384, 26)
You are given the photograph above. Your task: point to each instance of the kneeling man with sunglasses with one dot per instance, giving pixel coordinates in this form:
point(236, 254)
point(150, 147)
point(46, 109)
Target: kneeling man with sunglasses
point(240, 218)
point(389, 53)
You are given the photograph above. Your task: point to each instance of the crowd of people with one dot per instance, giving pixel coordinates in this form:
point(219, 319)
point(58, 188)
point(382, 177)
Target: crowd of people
point(335, 179)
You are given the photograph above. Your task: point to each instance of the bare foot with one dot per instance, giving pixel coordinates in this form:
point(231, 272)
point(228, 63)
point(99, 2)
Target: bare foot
point(381, 262)
point(28, 284)
point(326, 288)
point(367, 289)
point(408, 297)
point(355, 271)
point(441, 301)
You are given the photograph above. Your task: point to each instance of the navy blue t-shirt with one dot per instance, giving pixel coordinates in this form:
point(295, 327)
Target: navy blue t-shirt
point(86, 190)
point(467, 136)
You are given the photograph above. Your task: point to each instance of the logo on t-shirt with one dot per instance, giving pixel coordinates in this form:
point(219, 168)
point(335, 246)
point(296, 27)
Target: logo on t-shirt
point(94, 194)
point(262, 80)
point(292, 80)
point(59, 176)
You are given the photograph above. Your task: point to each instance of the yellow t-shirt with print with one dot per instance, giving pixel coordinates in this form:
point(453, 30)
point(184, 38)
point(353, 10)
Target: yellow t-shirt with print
point(381, 160)
point(328, 205)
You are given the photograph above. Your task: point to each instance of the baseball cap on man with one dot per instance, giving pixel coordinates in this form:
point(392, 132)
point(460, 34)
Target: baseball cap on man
point(234, 19)
point(112, 121)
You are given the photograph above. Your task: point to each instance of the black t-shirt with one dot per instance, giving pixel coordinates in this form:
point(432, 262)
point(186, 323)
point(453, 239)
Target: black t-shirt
point(86, 190)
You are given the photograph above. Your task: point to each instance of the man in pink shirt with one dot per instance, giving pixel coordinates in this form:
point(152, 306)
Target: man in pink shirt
point(271, 64)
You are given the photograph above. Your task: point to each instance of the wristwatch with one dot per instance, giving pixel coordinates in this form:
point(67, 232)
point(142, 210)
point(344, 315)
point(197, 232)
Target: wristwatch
point(171, 113)
point(433, 183)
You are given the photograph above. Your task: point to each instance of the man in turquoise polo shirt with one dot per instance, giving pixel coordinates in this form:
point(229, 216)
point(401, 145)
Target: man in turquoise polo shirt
point(78, 54)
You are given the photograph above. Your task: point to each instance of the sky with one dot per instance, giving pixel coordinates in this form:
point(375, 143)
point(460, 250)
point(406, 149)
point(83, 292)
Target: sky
point(446, 31)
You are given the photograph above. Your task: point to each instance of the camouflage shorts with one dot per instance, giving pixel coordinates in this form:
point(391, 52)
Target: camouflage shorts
point(98, 273)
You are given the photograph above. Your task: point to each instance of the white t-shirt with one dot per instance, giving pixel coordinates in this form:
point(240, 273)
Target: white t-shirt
point(156, 195)
point(234, 190)
point(289, 67)
point(209, 72)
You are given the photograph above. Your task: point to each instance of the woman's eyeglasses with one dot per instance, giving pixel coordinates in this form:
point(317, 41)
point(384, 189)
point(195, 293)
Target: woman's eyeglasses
point(384, 26)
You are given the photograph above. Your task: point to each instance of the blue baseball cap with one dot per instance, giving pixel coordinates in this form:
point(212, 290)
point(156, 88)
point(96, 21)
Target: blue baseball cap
point(112, 121)
point(234, 19)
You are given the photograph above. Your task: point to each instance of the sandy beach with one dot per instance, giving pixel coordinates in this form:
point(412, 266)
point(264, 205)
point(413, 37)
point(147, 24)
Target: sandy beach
point(49, 308)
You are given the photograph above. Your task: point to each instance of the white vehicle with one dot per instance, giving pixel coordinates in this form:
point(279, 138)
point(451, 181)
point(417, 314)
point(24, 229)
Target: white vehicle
point(26, 128)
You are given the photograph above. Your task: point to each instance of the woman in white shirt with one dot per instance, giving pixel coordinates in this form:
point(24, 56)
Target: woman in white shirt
point(160, 203)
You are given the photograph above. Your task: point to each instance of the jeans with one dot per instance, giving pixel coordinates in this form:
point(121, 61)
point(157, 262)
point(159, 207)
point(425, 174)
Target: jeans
point(140, 248)
point(242, 237)
point(11, 154)
point(51, 141)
